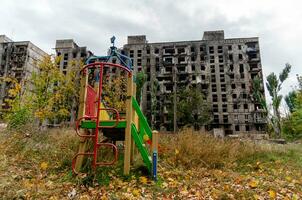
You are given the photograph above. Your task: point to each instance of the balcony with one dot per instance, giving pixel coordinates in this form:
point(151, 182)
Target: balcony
point(260, 120)
point(259, 116)
point(182, 69)
point(255, 69)
point(168, 61)
point(252, 50)
point(181, 51)
point(253, 57)
point(253, 60)
point(183, 79)
point(168, 51)
point(182, 60)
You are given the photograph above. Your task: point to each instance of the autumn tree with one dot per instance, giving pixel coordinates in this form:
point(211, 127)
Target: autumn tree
point(49, 93)
point(53, 92)
point(16, 114)
point(114, 91)
point(14, 90)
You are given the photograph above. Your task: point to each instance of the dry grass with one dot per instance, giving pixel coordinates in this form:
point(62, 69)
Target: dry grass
point(41, 146)
point(22, 155)
point(194, 149)
point(188, 163)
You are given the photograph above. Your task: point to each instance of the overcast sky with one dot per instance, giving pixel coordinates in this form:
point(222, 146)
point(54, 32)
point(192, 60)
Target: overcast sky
point(276, 23)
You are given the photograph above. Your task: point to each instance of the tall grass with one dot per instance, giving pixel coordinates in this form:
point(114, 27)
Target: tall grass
point(55, 147)
point(194, 149)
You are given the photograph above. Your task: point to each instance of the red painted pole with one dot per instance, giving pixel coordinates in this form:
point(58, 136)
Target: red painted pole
point(98, 117)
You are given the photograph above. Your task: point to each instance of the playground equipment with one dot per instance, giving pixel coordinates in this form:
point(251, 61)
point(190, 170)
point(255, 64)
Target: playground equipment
point(96, 119)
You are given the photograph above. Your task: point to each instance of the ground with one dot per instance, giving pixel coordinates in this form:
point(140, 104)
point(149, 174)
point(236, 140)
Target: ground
point(37, 165)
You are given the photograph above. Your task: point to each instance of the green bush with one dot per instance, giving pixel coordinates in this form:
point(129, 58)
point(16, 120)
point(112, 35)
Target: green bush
point(19, 118)
point(292, 127)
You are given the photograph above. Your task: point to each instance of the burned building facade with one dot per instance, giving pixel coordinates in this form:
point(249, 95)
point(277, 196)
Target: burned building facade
point(223, 69)
point(70, 51)
point(17, 61)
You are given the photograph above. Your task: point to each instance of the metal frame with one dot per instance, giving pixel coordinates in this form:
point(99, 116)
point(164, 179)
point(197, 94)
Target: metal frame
point(95, 136)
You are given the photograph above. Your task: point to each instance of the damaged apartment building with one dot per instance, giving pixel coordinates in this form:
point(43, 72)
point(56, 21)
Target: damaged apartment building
point(17, 61)
point(70, 51)
point(223, 69)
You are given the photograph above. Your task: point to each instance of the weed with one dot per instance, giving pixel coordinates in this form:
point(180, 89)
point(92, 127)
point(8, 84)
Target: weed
point(190, 149)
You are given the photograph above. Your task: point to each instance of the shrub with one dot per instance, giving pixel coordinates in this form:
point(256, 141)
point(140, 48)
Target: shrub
point(19, 118)
point(292, 127)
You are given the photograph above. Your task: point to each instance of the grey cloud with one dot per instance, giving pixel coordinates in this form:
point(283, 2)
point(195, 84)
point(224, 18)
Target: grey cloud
point(92, 24)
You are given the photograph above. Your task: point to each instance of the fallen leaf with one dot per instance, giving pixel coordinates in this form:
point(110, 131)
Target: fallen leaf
point(272, 194)
point(44, 166)
point(256, 196)
point(135, 192)
point(253, 183)
point(143, 180)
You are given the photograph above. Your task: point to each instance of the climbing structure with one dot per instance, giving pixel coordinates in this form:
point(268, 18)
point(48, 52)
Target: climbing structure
point(96, 120)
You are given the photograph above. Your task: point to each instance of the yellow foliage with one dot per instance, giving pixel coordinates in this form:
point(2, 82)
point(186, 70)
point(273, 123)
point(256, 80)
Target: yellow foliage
point(14, 91)
point(253, 183)
point(135, 192)
point(27, 184)
point(272, 194)
point(43, 166)
point(143, 180)
point(52, 94)
point(114, 92)
point(288, 178)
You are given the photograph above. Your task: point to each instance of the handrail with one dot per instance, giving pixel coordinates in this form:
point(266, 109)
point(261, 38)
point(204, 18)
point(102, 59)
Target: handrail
point(142, 118)
point(105, 64)
point(77, 127)
point(96, 57)
point(75, 158)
